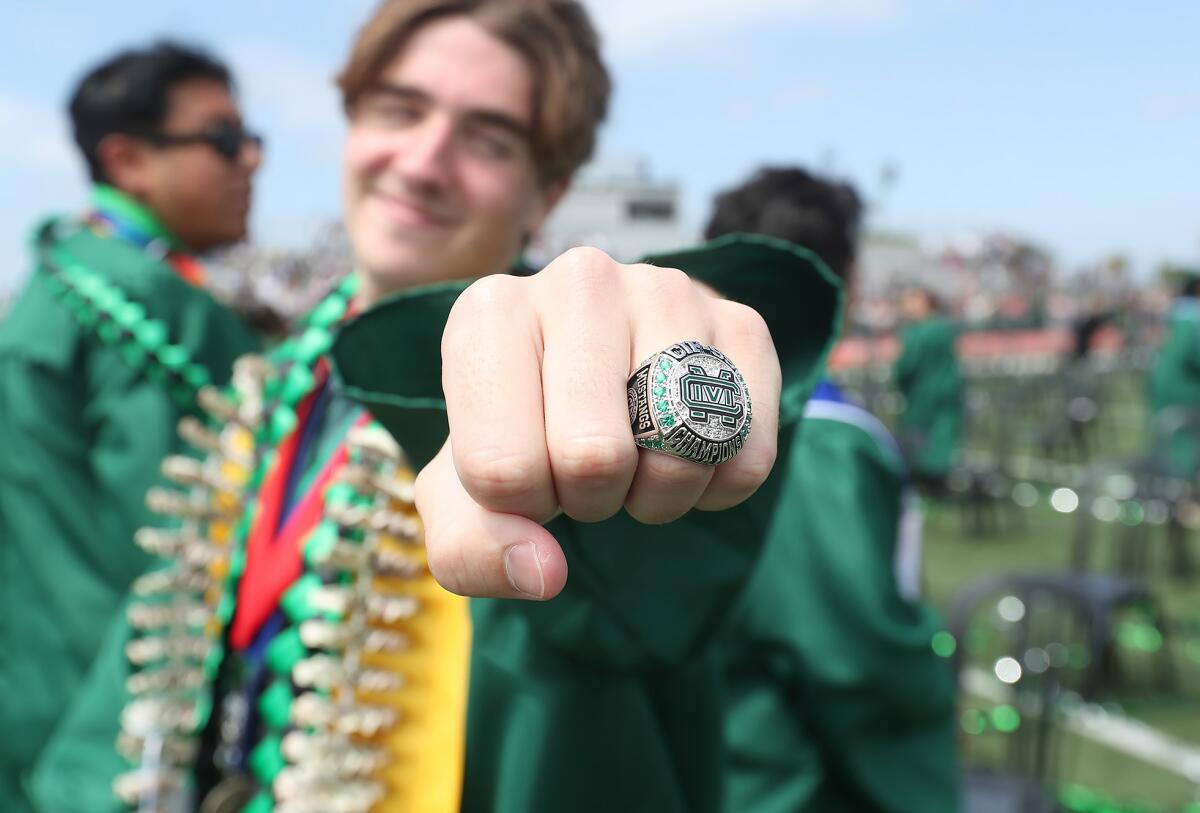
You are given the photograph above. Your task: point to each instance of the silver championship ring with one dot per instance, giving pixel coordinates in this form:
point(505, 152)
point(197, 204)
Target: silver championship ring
point(690, 401)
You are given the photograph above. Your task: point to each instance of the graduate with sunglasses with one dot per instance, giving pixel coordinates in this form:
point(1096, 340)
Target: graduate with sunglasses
point(100, 356)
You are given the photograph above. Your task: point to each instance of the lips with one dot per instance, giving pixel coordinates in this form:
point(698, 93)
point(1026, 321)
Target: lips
point(406, 212)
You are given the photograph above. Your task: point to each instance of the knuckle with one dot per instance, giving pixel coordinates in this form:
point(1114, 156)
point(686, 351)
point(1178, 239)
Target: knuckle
point(583, 259)
point(670, 292)
point(750, 469)
point(595, 458)
point(667, 283)
point(491, 294)
point(581, 274)
point(481, 304)
point(496, 475)
point(747, 323)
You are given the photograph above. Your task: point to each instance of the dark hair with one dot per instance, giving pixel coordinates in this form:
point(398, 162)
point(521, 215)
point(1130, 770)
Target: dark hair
point(557, 40)
point(790, 203)
point(932, 300)
point(128, 93)
point(1190, 285)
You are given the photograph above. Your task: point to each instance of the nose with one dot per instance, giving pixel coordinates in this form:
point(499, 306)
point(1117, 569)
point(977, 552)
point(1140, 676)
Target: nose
point(424, 154)
point(251, 155)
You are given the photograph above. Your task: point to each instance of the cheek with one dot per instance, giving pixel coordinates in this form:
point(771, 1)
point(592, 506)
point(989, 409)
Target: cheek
point(501, 198)
point(364, 156)
point(201, 176)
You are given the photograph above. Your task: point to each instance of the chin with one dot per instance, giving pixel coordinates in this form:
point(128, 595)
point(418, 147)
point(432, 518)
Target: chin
point(388, 276)
point(402, 266)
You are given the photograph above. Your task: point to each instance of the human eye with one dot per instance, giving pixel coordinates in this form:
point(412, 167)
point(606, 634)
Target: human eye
point(387, 111)
point(491, 143)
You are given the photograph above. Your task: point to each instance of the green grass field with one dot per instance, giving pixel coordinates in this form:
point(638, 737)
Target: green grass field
point(1039, 538)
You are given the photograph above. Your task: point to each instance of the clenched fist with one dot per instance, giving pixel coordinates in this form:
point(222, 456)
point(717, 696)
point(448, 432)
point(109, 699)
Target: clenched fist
point(534, 372)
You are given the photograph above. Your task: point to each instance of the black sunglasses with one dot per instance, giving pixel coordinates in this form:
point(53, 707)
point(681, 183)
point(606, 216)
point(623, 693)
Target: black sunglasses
point(227, 139)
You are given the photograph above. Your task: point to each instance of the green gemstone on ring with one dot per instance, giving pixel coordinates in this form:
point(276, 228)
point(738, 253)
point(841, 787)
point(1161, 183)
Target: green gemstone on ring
point(659, 391)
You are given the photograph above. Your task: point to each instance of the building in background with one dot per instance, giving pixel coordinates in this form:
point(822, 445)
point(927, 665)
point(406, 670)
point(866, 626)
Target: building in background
point(615, 205)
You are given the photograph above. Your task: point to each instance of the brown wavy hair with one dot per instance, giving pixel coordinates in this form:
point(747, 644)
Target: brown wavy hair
point(557, 40)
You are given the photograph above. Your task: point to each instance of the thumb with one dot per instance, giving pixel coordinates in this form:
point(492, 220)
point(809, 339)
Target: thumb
point(476, 552)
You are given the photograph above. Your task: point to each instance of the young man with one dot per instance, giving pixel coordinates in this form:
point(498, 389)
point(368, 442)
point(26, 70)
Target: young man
point(1174, 383)
point(341, 676)
point(1174, 400)
point(99, 357)
point(835, 699)
point(928, 376)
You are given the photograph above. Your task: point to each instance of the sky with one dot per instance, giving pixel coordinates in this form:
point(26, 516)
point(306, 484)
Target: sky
point(1072, 123)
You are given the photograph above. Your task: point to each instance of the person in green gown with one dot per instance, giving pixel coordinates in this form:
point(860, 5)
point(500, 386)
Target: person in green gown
point(1173, 395)
point(928, 376)
point(835, 700)
point(101, 354)
point(1174, 383)
point(320, 655)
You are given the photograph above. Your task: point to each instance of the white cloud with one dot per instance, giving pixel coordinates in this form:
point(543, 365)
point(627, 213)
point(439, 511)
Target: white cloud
point(35, 136)
point(637, 25)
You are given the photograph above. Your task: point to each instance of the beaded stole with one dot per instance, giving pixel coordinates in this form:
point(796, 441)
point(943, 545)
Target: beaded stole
point(366, 708)
point(99, 304)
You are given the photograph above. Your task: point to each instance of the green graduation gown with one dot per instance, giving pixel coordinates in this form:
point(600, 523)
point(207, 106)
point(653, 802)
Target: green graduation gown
point(81, 440)
point(1174, 385)
point(608, 697)
point(927, 375)
point(836, 702)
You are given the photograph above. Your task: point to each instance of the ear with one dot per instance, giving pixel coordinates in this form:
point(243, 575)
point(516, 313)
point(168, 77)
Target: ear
point(126, 162)
point(549, 197)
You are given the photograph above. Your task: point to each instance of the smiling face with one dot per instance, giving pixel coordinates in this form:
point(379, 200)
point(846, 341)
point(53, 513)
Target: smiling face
point(439, 179)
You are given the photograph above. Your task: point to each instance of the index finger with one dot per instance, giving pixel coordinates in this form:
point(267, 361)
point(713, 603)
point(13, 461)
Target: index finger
point(491, 375)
